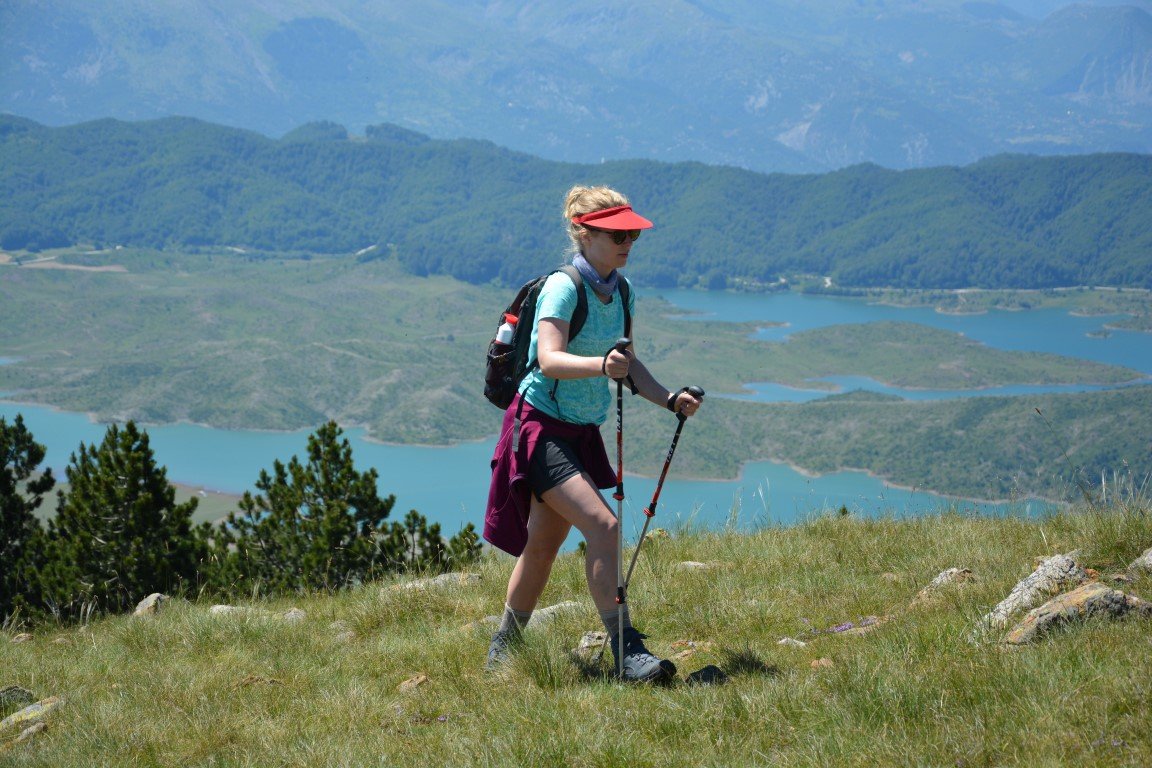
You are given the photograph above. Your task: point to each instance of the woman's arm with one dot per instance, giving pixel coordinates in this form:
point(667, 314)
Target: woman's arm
point(654, 392)
point(556, 362)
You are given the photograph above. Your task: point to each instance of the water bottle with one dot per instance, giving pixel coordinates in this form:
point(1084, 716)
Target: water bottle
point(504, 333)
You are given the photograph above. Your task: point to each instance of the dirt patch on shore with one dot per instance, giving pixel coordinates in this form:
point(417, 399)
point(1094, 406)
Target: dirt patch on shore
point(50, 262)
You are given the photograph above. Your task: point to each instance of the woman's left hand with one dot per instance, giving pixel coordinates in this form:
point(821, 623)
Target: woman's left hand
point(686, 403)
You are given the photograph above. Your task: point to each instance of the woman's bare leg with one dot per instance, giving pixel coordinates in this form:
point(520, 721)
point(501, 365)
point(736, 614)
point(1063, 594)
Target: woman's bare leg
point(546, 534)
point(579, 502)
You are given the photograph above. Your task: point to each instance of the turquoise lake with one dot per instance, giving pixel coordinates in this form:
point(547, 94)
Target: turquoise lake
point(449, 485)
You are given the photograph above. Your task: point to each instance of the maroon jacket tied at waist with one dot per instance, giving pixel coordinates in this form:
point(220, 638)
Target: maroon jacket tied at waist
point(509, 497)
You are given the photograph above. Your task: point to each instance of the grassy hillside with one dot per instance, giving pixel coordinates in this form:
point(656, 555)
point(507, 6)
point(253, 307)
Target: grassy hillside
point(189, 688)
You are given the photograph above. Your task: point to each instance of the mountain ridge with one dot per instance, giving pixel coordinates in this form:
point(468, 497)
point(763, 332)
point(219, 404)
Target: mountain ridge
point(480, 212)
point(772, 86)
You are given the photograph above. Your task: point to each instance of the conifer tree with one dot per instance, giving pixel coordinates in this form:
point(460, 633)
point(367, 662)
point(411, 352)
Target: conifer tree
point(119, 534)
point(21, 537)
point(320, 524)
point(417, 546)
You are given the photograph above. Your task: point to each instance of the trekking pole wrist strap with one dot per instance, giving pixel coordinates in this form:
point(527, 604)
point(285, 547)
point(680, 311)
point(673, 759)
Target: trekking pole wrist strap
point(671, 404)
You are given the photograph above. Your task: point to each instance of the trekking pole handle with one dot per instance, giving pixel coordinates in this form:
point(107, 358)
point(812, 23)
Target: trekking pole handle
point(620, 346)
point(695, 391)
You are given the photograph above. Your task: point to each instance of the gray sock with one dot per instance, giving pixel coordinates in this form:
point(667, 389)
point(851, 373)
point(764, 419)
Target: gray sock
point(514, 620)
point(612, 621)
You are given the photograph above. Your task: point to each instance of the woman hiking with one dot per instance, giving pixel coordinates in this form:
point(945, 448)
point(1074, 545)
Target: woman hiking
point(550, 460)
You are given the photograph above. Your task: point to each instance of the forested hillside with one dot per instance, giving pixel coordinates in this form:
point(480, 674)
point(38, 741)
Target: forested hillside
point(481, 213)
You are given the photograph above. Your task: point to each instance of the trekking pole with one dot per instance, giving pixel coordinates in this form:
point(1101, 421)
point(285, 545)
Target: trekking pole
point(650, 510)
point(621, 346)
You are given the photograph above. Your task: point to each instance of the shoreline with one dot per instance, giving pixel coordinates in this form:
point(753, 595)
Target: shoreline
point(230, 498)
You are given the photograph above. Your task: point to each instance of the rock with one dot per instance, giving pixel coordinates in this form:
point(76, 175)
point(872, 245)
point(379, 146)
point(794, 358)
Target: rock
point(866, 625)
point(1142, 563)
point(32, 713)
point(1092, 599)
point(344, 632)
point(294, 615)
point(30, 731)
point(443, 580)
point(820, 663)
point(150, 605)
point(23, 637)
point(412, 683)
point(545, 615)
point(14, 696)
point(686, 648)
point(539, 618)
point(1052, 576)
point(693, 565)
point(943, 579)
point(591, 644)
point(791, 642)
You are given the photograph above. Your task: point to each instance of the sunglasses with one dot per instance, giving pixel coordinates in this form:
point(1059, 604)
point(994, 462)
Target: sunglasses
point(618, 235)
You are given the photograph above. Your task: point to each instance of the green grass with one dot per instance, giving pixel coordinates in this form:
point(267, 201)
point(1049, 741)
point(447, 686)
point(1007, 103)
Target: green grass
point(187, 688)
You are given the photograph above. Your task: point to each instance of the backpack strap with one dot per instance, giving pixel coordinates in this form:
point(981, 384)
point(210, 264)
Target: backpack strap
point(580, 313)
point(625, 291)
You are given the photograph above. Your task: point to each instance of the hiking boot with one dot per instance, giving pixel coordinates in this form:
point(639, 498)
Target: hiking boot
point(640, 665)
point(501, 646)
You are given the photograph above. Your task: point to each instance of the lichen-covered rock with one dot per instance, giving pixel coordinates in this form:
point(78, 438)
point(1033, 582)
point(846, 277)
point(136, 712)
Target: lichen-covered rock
point(943, 579)
point(151, 605)
point(412, 683)
point(294, 615)
point(591, 644)
point(539, 618)
point(1092, 599)
point(453, 579)
point(31, 713)
point(1052, 576)
point(15, 696)
point(1142, 563)
point(545, 615)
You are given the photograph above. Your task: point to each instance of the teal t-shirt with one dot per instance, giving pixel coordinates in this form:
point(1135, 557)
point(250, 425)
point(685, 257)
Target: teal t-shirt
point(578, 401)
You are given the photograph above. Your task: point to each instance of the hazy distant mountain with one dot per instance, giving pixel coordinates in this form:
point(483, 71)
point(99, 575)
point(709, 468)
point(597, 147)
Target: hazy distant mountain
point(793, 85)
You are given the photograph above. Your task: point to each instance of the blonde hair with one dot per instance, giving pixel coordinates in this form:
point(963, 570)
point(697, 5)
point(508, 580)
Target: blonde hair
point(581, 200)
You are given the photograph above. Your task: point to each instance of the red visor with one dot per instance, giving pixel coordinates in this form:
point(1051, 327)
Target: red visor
point(620, 217)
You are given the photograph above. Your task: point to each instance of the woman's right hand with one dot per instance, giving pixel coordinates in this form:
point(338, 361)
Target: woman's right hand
point(615, 364)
